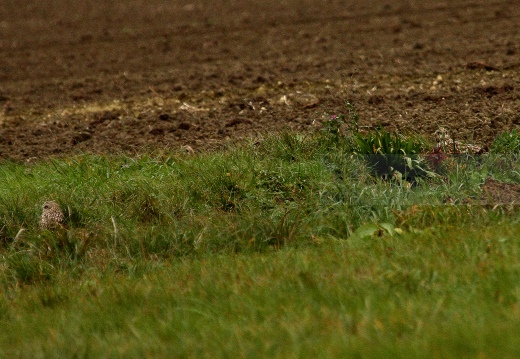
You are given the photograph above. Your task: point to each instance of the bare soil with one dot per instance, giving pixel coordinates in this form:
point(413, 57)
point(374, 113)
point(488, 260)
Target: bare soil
point(128, 76)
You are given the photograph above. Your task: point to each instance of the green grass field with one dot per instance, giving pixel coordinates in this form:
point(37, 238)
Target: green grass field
point(290, 247)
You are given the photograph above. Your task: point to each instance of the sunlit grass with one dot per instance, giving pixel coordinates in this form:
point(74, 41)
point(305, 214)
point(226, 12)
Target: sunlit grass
point(288, 247)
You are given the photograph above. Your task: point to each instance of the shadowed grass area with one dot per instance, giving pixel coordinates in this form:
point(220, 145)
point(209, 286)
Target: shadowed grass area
point(288, 247)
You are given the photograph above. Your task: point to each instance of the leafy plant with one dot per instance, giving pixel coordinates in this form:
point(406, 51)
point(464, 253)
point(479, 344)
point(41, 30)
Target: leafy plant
point(391, 155)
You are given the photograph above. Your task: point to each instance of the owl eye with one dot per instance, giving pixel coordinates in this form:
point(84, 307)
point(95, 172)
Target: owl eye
point(46, 206)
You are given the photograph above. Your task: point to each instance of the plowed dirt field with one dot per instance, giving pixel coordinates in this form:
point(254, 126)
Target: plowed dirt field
point(135, 75)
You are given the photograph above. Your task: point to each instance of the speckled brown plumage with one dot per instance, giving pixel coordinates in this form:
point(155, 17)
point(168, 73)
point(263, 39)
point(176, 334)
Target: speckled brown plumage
point(52, 215)
point(450, 146)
